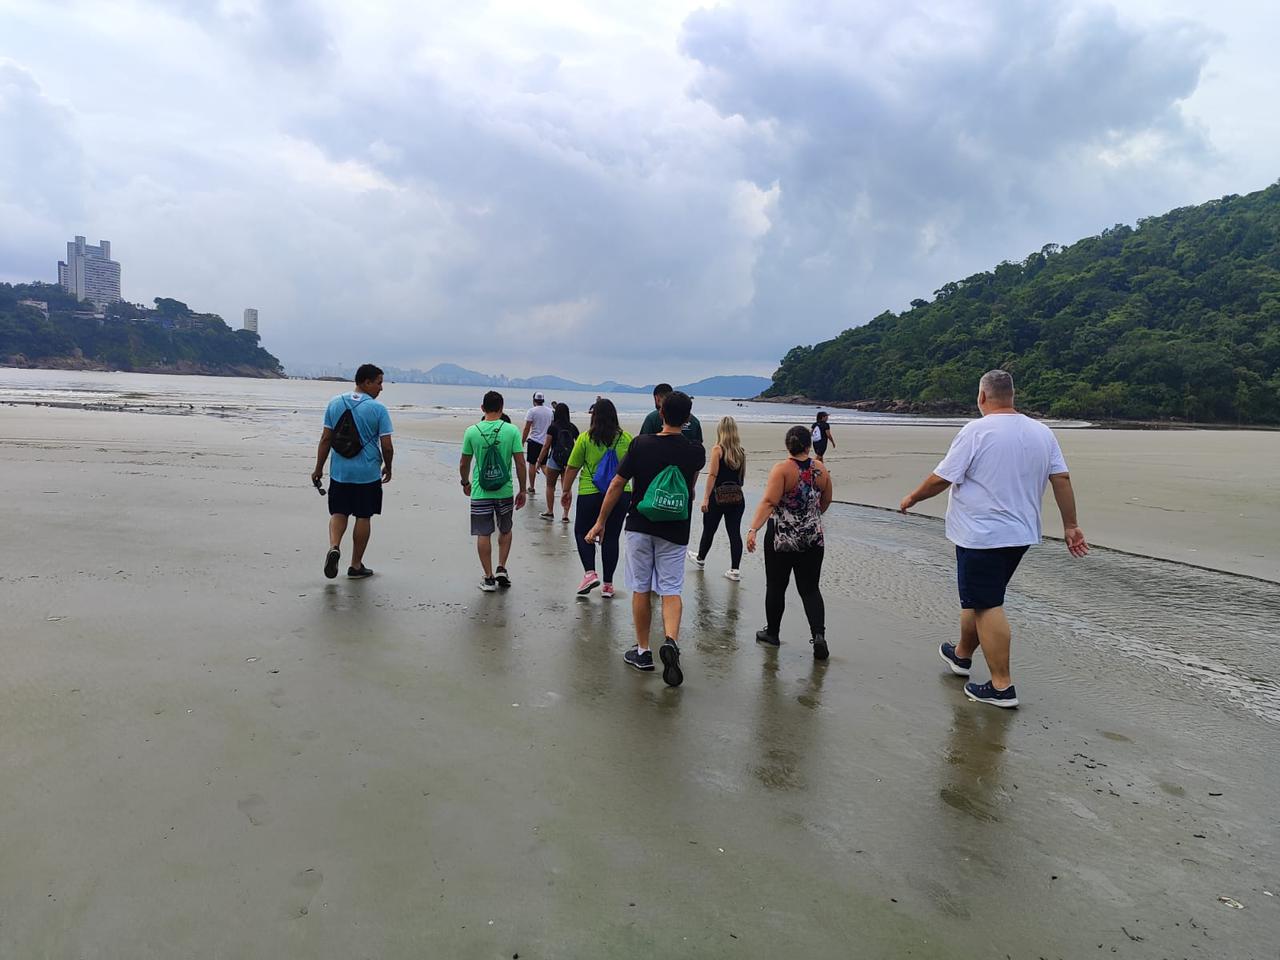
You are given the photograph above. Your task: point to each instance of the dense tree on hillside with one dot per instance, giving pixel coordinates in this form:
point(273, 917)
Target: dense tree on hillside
point(127, 337)
point(1178, 317)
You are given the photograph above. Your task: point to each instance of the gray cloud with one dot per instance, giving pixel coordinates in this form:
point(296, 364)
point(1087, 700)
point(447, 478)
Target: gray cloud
point(615, 193)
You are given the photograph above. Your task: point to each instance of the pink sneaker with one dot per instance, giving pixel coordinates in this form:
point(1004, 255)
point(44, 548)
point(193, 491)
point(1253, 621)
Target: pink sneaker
point(589, 582)
point(607, 591)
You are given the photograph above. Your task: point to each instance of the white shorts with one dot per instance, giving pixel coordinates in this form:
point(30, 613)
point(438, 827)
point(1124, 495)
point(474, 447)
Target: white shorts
point(654, 565)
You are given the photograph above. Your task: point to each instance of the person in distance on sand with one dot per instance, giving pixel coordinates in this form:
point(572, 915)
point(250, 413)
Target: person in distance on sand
point(996, 469)
point(534, 436)
point(355, 481)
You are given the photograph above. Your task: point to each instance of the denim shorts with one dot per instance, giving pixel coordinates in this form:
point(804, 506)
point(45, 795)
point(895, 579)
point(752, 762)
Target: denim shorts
point(982, 575)
point(654, 565)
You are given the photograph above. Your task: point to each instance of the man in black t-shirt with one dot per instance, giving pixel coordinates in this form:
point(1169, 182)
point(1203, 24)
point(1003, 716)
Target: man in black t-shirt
point(655, 548)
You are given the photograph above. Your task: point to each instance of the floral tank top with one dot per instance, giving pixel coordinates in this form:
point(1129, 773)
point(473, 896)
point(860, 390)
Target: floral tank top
point(797, 519)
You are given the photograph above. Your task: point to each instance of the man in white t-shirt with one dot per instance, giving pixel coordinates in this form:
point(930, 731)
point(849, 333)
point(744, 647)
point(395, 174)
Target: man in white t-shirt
point(997, 469)
point(536, 422)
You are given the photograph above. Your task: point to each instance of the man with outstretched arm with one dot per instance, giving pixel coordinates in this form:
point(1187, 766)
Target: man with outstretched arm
point(493, 444)
point(355, 482)
point(996, 469)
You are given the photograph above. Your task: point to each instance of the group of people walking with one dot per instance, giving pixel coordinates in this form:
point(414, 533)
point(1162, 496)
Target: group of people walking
point(646, 485)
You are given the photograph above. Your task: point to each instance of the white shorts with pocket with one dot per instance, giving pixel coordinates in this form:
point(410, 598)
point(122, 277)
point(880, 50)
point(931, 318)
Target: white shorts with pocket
point(654, 565)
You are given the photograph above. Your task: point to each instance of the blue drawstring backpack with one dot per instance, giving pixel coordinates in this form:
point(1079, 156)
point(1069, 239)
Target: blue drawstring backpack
point(606, 468)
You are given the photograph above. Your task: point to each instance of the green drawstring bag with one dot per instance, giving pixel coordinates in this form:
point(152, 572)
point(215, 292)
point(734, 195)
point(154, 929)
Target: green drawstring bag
point(667, 497)
point(495, 469)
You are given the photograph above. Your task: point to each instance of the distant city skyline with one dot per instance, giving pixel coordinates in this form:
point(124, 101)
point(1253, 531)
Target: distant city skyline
point(250, 319)
point(611, 189)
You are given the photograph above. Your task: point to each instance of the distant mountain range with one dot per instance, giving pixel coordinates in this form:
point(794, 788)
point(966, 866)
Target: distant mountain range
point(453, 375)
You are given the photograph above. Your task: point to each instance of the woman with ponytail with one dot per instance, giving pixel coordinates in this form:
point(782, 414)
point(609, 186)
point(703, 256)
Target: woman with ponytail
point(796, 496)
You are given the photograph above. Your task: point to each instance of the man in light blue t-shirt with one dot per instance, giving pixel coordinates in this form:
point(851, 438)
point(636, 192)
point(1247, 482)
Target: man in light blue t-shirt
point(355, 481)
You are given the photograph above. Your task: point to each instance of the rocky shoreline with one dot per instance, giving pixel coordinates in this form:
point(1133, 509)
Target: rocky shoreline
point(179, 369)
point(935, 409)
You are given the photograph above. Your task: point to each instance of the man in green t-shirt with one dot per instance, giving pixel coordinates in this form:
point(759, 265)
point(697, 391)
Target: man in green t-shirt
point(493, 444)
point(653, 422)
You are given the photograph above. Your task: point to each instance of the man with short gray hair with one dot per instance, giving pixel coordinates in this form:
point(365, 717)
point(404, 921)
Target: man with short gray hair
point(996, 470)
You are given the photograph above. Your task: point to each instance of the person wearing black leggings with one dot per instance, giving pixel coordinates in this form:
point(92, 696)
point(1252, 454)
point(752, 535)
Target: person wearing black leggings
point(726, 472)
point(603, 445)
point(796, 496)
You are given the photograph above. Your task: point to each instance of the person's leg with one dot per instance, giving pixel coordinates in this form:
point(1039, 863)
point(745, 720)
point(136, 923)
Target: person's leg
point(994, 635)
point(337, 528)
point(611, 546)
point(777, 575)
point(968, 634)
point(710, 524)
point(642, 615)
point(733, 527)
point(360, 540)
point(808, 567)
point(551, 477)
point(504, 548)
point(484, 546)
point(585, 518)
point(672, 611)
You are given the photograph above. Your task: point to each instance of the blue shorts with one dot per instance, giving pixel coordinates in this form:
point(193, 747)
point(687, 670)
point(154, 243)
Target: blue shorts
point(982, 575)
point(654, 565)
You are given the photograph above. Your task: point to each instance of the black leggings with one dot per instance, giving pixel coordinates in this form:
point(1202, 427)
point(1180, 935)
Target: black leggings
point(732, 526)
point(610, 543)
point(778, 565)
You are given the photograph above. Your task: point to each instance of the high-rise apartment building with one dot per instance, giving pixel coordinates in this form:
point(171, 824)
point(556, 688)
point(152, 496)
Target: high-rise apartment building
point(89, 272)
point(251, 319)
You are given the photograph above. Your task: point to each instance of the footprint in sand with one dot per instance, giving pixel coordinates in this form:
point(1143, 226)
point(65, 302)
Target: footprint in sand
point(306, 883)
point(255, 808)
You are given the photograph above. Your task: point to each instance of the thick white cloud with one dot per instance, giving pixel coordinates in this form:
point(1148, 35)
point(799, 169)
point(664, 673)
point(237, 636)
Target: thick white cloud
point(598, 190)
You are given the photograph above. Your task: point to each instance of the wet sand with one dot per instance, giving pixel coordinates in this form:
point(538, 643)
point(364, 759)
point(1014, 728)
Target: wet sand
point(1209, 498)
point(212, 751)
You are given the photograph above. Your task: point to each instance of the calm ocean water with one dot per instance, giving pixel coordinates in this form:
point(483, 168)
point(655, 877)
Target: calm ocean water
point(264, 399)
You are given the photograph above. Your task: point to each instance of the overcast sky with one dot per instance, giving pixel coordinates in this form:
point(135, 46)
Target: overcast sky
point(645, 191)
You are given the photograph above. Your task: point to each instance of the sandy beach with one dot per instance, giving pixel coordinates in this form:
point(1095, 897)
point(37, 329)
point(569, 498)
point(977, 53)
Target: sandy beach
point(214, 752)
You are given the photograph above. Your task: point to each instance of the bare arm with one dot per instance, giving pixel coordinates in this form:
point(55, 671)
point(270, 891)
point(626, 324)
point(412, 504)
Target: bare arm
point(825, 491)
point(522, 473)
point(322, 454)
point(931, 486)
point(464, 471)
point(773, 490)
point(1066, 499)
point(388, 454)
point(611, 497)
point(524, 436)
point(712, 469)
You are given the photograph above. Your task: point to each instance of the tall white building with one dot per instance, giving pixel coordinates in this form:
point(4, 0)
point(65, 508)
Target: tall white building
point(251, 319)
point(89, 272)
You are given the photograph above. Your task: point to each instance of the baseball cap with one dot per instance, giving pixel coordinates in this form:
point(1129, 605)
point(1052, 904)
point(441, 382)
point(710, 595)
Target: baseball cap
point(538, 395)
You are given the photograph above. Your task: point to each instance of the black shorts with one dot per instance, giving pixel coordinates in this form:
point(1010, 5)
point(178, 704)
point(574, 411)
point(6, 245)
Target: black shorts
point(820, 449)
point(533, 450)
point(487, 514)
point(982, 575)
point(361, 500)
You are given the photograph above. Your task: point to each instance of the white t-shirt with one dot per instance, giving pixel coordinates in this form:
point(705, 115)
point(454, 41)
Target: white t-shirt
point(540, 417)
point(998, 467)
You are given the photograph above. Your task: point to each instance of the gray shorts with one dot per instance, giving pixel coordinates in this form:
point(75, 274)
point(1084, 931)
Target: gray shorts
point(488, 514)
point(654, 565)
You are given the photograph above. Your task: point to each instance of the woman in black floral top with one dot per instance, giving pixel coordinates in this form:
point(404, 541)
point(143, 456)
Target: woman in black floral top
point(795, 498)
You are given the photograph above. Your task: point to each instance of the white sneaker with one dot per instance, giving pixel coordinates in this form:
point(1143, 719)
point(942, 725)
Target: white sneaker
point(733, 575)
point(488, 584)
point(693, 555)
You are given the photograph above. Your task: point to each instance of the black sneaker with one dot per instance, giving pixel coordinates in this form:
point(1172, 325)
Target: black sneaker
point(959, 665)
point(503, 578)
point(354, 574)
point(489, 584)
point(764, 636)
point(820, 651)
point(669, 653)
point(987, 693)
point(640, 659)
point(331, 562)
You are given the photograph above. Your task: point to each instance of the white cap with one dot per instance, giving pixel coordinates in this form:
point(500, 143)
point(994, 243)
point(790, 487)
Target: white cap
point(537, 395)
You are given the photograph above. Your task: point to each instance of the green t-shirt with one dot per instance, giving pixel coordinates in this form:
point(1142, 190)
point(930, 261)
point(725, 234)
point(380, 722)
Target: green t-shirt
point(653, 424)
point(587, 454)
point(474, 442)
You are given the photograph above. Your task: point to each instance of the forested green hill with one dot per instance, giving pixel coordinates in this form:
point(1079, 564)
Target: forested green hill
point(1176, 318)
point(168, 339)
